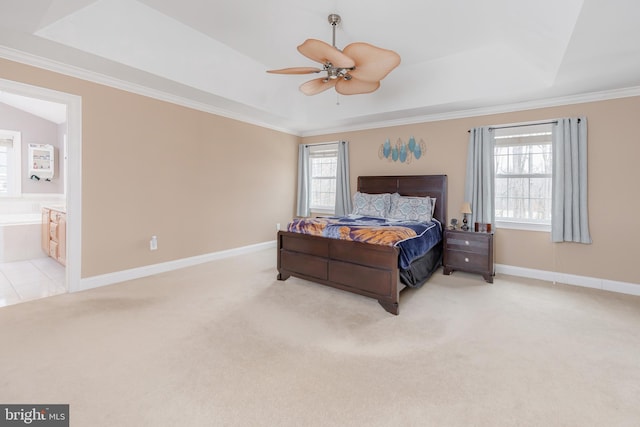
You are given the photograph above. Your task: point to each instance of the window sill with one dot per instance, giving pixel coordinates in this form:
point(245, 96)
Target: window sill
point(526, 226)
point(314, 212)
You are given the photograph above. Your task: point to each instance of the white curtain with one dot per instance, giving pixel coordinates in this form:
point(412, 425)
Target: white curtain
point(303, 181)
point(570, 222)
point(480, 180)
point(343, 189)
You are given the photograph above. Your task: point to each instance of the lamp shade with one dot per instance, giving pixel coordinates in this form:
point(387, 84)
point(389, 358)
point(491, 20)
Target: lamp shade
point(466, 208)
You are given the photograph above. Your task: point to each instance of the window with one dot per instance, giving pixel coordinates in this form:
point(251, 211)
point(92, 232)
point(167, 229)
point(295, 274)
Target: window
point(10, 155)
point(4, 166)
point(523, 176)
point(323, 166)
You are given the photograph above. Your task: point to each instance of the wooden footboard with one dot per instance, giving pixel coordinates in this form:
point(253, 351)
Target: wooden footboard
point(365, 269)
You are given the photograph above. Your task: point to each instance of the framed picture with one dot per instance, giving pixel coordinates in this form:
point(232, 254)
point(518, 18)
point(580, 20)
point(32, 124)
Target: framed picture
point(481, 227)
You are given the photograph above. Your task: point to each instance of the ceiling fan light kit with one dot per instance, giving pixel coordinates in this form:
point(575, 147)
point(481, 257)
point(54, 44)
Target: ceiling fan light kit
point(357, 69)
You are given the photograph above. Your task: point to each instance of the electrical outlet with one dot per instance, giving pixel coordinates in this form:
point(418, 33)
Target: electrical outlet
point(153, 243)
point(278, 226)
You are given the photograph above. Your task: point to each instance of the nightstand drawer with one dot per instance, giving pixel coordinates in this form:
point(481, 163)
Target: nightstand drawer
point(467, 260)
point(468, 243)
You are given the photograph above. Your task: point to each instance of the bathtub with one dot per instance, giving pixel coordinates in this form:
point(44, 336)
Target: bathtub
point(20, 237)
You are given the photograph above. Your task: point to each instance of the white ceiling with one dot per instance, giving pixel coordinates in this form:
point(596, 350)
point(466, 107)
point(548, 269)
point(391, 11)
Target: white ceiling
point(457, 56)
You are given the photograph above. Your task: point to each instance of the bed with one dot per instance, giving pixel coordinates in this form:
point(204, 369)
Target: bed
point(372, 270)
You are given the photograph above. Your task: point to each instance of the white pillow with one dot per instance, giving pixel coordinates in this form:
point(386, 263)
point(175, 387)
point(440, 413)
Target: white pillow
point(375, 205)
point(413, 209)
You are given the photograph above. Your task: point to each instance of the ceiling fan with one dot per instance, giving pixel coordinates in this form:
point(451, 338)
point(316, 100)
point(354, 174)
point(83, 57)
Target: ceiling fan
point(357, 69)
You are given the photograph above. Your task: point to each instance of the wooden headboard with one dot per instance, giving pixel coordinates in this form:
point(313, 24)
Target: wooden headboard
point(410, 185)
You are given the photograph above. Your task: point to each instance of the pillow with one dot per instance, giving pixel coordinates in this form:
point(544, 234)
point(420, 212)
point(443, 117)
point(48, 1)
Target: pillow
point(396, 196)
point(413, 209)
point(376, 205)
point(394, 201)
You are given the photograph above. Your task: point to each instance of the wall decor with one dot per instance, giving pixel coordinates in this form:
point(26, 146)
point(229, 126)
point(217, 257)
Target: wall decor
point(400, 151)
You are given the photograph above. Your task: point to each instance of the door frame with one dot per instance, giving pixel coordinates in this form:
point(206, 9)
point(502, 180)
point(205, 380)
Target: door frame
point(73, 180)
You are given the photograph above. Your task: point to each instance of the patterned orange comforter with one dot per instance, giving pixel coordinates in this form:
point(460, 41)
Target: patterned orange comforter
point(360, 231)
point(414, 239)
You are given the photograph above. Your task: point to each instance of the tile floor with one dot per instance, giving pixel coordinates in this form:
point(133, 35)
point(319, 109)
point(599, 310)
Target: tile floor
point(27, 280)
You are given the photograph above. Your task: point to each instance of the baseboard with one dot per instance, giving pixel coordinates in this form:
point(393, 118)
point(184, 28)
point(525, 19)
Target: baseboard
point(149, 270)
point(571, 279)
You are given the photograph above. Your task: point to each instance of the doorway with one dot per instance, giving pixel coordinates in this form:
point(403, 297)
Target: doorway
point(69, 168)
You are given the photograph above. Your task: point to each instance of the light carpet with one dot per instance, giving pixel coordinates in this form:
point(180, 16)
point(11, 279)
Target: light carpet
point(226, 344)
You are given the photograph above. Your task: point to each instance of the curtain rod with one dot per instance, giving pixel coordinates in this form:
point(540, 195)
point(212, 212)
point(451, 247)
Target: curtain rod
point(553, 122)
point(324, 143)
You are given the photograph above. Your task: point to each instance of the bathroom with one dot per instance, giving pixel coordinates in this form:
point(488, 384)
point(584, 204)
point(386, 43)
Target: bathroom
point(32, 177)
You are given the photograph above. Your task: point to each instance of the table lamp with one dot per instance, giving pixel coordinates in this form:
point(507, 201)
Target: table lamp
point(465, 210)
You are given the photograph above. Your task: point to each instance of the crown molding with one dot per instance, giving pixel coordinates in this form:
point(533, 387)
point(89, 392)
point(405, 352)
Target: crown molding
point(95, 77)
point(486, 111)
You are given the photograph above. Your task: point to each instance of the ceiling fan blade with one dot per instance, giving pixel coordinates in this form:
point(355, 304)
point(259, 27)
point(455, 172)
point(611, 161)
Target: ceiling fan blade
point(323, 52)
point(355, 86)
point(315, 86)
point(296, 70)
point(372, 63)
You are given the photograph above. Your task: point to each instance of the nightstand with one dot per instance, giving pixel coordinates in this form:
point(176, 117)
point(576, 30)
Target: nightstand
point(469, 251)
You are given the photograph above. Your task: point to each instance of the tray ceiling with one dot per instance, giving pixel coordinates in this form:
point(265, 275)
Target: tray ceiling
point(456, 56)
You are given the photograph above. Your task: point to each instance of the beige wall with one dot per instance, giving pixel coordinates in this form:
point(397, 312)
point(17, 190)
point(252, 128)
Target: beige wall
point(614, 173)
point(200, 182)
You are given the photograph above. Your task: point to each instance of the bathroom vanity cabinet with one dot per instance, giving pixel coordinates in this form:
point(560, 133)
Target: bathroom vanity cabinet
point(54, 234)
